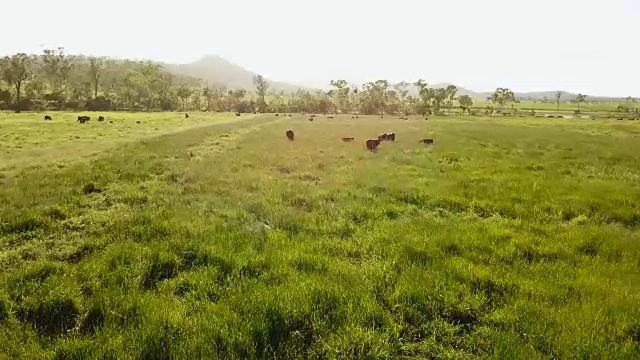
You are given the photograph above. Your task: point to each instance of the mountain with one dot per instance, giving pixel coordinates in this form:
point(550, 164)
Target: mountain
point(215, 70)
point(218, 71)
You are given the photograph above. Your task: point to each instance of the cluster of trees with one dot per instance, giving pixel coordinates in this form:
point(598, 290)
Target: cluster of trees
point(55, 80)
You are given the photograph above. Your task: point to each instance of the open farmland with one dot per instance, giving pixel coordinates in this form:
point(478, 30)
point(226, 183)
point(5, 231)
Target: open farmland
point(216, 237)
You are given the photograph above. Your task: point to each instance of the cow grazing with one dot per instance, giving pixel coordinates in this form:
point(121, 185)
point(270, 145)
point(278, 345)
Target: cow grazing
point(313, 115)
point(186, 116)
point(311, 119)
point(237, 114)
point(387, 137)
point(330, 117)
point(100, 118)
point(277, 114)
point(290, 134)
point(348, 139)
point(427, 141)
point(47, 118)
point(83, 119)
point(391, 137)
point(372, 144)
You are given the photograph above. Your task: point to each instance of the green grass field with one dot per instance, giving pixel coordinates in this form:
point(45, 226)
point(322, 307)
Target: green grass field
point(216, 237)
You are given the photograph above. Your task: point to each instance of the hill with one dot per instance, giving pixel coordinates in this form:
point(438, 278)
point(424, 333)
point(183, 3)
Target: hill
point(218, 71)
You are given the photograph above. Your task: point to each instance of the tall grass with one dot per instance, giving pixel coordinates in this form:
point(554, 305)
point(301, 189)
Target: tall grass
point(509, 238)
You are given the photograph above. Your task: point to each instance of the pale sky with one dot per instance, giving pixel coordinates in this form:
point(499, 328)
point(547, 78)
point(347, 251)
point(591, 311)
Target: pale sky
point(587, 46)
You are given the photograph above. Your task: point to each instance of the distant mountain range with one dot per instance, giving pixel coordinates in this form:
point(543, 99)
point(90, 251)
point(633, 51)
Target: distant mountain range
point(215, 70)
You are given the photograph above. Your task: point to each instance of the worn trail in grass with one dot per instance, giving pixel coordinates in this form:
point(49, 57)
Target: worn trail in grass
point(510, 238)
point(26, 141)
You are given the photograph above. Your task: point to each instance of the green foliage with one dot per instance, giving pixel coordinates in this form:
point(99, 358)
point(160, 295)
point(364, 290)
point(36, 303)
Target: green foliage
point(502, 97)
point(465, 103)
point(262, 86)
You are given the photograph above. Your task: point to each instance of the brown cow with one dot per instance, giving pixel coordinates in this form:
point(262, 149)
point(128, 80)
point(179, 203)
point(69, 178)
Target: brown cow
point(290, 134)
point(372, 144)
point(427, 141)
point(348, 139)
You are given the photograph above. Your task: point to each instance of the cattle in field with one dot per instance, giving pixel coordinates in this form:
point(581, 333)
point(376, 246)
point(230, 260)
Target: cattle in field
point(100, 118)
point(290, 134)
point(372, 144)
point(186, 116)
point(387, 137)
point(427, 141)
point(348, 139)
point(83, 119)
point(47, 118)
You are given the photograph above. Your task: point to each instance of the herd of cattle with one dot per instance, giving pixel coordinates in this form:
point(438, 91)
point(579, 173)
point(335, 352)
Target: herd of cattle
point(371, 144)
point(81, 119)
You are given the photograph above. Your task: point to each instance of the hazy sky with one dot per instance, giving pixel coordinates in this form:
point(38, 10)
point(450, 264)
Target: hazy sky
point(588, 46)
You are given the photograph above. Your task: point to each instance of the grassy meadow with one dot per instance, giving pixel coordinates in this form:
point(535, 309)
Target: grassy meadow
point(216, 237)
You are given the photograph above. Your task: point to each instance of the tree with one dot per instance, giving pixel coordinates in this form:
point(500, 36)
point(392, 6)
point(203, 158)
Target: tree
point(17, 70)
point(558, 95)
point(580, 98)
point(184, 93)
point(450, 93)
point(402, 90)
point(465, 103)
point(261, 89)
point(56, 67)
point(96, 66)
point(439, 96)
point(426, 94)
point(502, 96)
point(341, 94)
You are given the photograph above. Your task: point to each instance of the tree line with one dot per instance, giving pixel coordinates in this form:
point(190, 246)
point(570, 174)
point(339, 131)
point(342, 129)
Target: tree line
point(55, 80)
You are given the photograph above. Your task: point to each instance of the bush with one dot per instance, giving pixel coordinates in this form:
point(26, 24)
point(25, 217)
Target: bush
point(100, 103)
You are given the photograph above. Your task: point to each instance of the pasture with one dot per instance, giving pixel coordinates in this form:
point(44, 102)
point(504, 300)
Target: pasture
point(217, 237)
